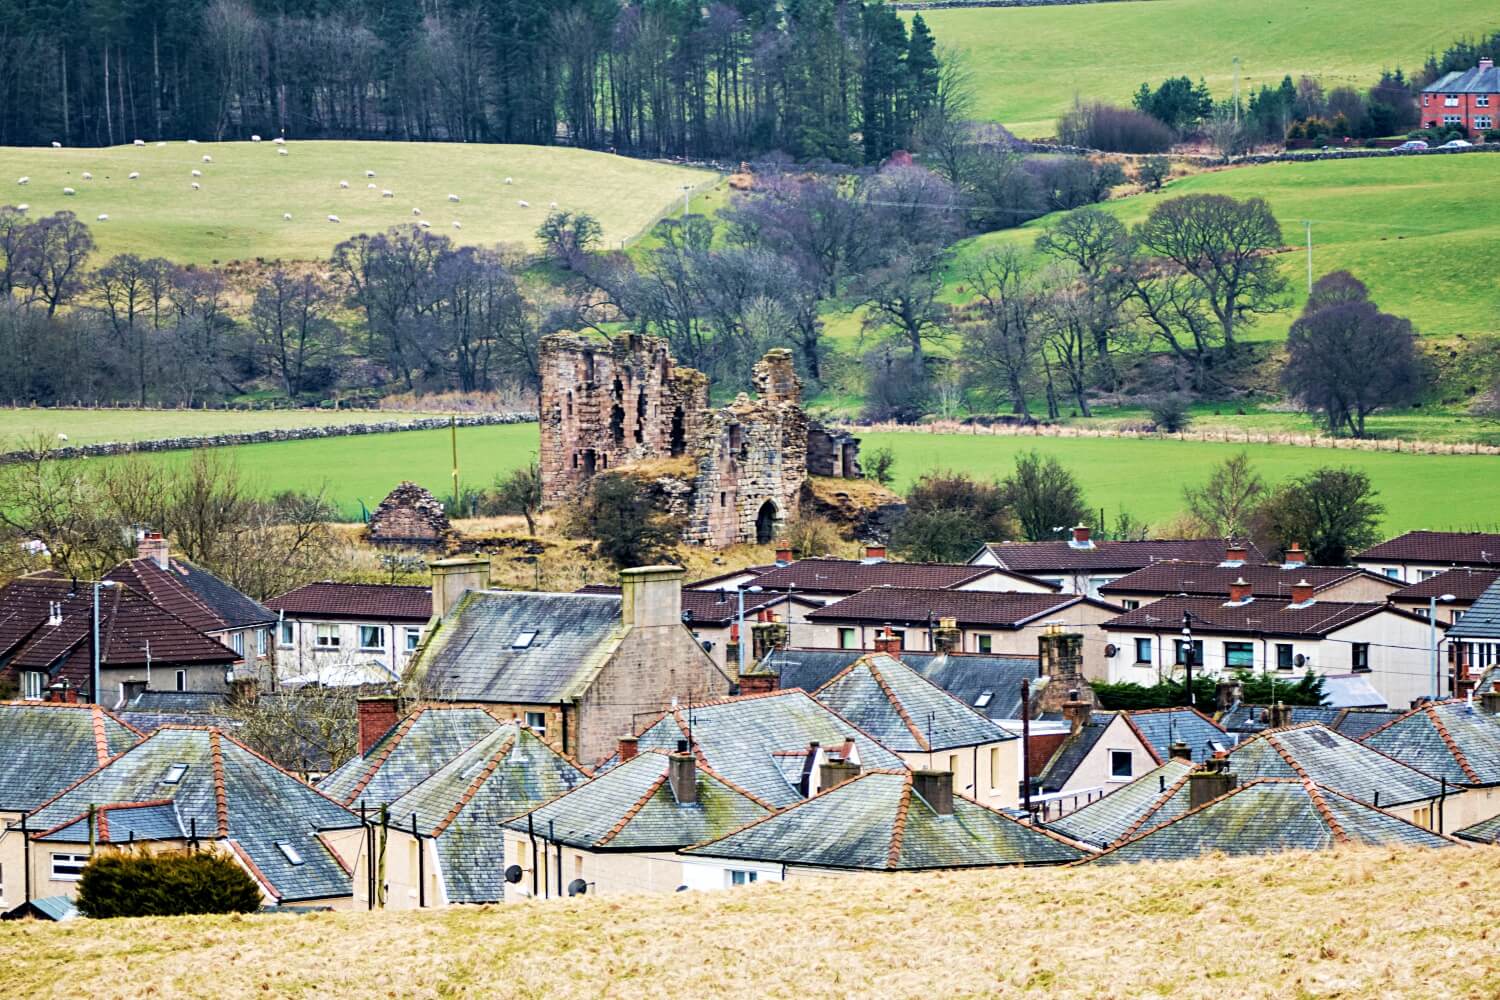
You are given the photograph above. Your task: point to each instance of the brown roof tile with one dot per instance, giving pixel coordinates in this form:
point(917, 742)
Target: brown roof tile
point(1213, 579)
point(1464, 584)
point(1262, 616)
point(356, 600)
point(1066, 557)
point(1454, 548)
point(850, 576)
point(910, 605)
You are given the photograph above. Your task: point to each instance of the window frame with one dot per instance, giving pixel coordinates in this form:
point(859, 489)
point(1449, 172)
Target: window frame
point(182, 680)
point(325, 631)
point(1481, 100)
point(848, 637)
point(1359, 657)
point(530, 721)
point(1177, 647)
point(33, 685)
point(411, 638)
point(262, 641)
point(1289, 661)
point(1114, 765)
point(237, 642)
point(378, 631)
point(984, 643)
point(286, 634)
point(72, 860)
point(1149, 647)
point(1241, 648)
point(740, 877)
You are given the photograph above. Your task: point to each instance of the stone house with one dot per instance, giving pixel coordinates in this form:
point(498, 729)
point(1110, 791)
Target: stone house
point(734, 474)
point(410, 516)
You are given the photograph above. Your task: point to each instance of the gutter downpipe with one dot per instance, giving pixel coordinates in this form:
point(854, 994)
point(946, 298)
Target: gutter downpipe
point(531, 833)
point(26, 848)
point(421, 865)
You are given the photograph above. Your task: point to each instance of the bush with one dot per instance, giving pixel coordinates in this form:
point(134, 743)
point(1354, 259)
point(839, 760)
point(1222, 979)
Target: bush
point(948, 516)
point(139, 884)
point(879, 464)
point(1119, 130)
point(619, 516)
point(811, 536)
point(1256, 689)
point(1153, 172)
point(1170, 413)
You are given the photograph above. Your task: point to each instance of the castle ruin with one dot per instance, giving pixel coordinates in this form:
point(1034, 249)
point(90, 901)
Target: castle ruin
point(734, 474)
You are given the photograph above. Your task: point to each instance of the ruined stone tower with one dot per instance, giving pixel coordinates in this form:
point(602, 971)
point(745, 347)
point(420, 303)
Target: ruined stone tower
point(734, 474)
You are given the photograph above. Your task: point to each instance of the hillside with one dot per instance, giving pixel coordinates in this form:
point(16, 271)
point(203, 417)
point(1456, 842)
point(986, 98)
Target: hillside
point(1029, 63)
point(1347, 924)
point(245, 191)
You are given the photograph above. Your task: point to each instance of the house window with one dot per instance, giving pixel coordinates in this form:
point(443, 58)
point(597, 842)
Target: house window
point(984, 643)
point(372, 637)
point(292, 855)
point(1239, 654)
point(182, 680)
point(68, 867)
point(1285, 658)
point(237, 642)
point(1121, 764)
point(1427, 574)
point(327, 637)
point(262, 641)
point(984, 699)
point(1452, 120)
point(1360, 656)
point(1426, 100)
point(995, 768)
point(537, 722)
point(413, 639)
point(1130, 605)
point(524, 639)
point(285, 638)
point(1197, 652)
point(31, 685)
point(1393, 572)
point(741, 878)
point(1482, 101)
point(1450, 100)
point(1484, 122)
point(847, 639)
point(1143, 649)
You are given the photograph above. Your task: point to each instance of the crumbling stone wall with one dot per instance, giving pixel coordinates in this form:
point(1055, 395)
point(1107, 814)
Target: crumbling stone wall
point(410, 515)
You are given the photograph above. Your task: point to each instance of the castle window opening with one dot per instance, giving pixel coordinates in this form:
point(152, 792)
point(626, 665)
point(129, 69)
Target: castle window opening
point(765, 524)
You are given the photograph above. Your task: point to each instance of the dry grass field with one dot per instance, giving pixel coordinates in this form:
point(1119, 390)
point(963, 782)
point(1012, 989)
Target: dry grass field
point(1351, 924)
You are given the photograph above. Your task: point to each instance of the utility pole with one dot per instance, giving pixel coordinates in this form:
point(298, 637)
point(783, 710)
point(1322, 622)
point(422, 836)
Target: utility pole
point(1308, 224)
point(1026, 746)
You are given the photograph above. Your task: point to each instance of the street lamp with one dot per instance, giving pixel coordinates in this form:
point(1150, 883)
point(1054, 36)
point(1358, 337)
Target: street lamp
point(1187, 652)
point(744, 648)
point(1432, 603)
point(94, 690)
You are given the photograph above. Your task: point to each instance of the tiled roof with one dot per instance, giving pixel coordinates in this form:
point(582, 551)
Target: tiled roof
point(1482, 620)
point(1465, 584)
point(850, 576)
point(1321, 755)
point(1107, 820)
point(178, 701)
point(1356, 723)
point(376, 601)
point(913, 606)
point(1072, 752)
point(631, 807)
point(1454, 548)
point(1244, 718)
point(1270, 815)
point(1159, 728)
point(122, 823)
point(904, 710)
point(1262, 616)
point(1066, 557)
point(739, 739)
point(464, 803)
point(1474, 80)
point(1449, 739)
point(1484, 832)
point(227, 792)
point(513, 646)
point(877, 821)
point(45, 747)
point(193, 594)
point(415, 748)
point(1213, 579)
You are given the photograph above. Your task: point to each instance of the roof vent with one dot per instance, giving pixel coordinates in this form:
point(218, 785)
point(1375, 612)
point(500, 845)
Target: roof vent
point(54, 612)
point(984, 699)
point(292, 855)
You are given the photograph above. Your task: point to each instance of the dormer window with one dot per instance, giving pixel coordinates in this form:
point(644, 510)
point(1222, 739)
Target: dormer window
point(175, 774)
point(524, 639)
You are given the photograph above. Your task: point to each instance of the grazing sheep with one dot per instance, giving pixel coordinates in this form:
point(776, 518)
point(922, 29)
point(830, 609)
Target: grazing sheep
point(255, 138)
point(369, 173)
point(69, 191)
point(103, 217)
point(197, 173)
point(416, 211)
point(135, 175)
point(87, 176)
point(286, 216)
point(139, 142)
point(509, 181)
point(207, 158)
point(369, 187)
point(280, 140)
point(23, 180)
point(56, 144)
point(282, 151)
point(457, 224)
point(333, 218)
point(197, 186)
point(343, 185)
point(523, 203)
point(387, 193)
point(424, 224)
point(552, 205)
point(192, 142)
point(453, 197)
point(22, 207)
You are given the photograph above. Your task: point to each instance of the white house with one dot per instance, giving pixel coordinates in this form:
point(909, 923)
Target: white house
point(1419, 555)
point(348, 633)
point(1081, 565)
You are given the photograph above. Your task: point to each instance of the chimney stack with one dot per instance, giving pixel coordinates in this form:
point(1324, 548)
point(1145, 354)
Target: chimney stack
point(1235, 555)
point(874, 553)
point(1239, 591)
point(1294, 557)
point(651, 596)
point(1060, 654)
point(1211, 781)
point(1302, 591)
point(1281, 716)
point(377, 714)
point(1489, 702)
point(451, 578)
point(682, 773)
point(1180, 751)
point(629, 747)
point(783, 553)
point(766, 635)
point(153, 546)
point(947, 638)
point(887, 642)
point(1486, 63)
point(63, 693)
point(936, 789)
point(1082, 537)
point(1077, 711)
point(836, 771)
point(1226, 693)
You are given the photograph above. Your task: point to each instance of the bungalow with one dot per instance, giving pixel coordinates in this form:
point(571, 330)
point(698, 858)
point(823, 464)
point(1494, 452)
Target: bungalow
point(348, 633)
point(1378, 642)
point(1418, 555)
point(1177, 578)
point(1468, 99)
point(1457, 742)
point(1082, 565)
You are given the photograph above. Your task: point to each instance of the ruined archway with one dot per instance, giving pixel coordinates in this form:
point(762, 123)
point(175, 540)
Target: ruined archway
point(765, 524)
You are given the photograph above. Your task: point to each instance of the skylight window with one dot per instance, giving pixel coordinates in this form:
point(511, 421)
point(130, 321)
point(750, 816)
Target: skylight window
point(984, 699)
point(524, 640)
point(289, 852)
point(175, 774)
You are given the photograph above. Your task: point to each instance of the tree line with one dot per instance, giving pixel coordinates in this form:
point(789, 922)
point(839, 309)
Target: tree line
point(819, 79)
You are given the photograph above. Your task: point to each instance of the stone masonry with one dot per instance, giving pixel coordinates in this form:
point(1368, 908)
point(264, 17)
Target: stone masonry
point(410, 515)
point(625, 403)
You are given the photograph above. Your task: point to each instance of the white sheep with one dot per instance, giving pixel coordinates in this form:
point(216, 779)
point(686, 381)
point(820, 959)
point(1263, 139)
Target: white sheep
point(457, 224)
point(509, 180)
point(333, 218)
point(282, 151)
point(424, 224)
point(387, 193)
point(135, 175)
point(416, 211)
point(22, 207)
point(23, 181)
point(280, 140)
point(207, 158)
point(197, 186)
point(453, 197)
point(369, 173)
point(139, 142)
point(56, 144)
point(197, 173)
point(69, 191)
point(286, 216)
point(192, 142)
point(523, 203)
point(343, 185)
point(552, 205)
point(103, 217)
point(255, 138)
point(87, 176)
point(369, 187)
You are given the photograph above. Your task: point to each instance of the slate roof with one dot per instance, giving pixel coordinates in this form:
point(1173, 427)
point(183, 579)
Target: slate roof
point(1268, 816)
point(1073, 750)
point(409, 753)
point(850, 576)
point(1465, 583)
point(1482, 619)
point(475, 653)
point(464, 802)
point(1159, 728)
point(913, 606)
point(47, 746)
point(1356, 723)
point(1244, 718)
point(178, 701)
point(1447, 739)
point(1107, 820)
point(631, 807)
point(1484, 832)
point(1474, 80)
point(1454, 548)
point(1351, 691)
point(193, 594)
point(903, 710)
point(969, 677)
point(1066, 557)
point(228, 793)
point(713, 607)
point(1262, 616)
point(122, 823)
point(740, 739)
point(877, 822)
point(1212, 579)
point(1334, 761)
point(374, 601)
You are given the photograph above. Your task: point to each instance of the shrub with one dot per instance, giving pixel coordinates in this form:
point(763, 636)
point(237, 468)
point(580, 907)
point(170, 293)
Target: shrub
point(1256, 689)
point(139, 884)
point(811, 536)
point(949, 515)
point(619, 515)
point(1170, 413)
point(1119, 130)
point(879, 464)
point(1153, 172)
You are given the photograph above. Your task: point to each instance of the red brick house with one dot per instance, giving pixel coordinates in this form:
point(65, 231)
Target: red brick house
point(1468, 99)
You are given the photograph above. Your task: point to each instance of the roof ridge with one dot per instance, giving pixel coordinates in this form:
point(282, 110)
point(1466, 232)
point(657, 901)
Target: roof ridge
point(473, 787)
point(898, 824)
point(895, 703)
point(864, 773)
point(221, 794)
point(1322, 807)
point(101, 745)
point(1127, 838)
point(633, 811)
point(1451, 744)
point(1155, 807)
point(177, 585)
point(1326, 789)
point(402, 728)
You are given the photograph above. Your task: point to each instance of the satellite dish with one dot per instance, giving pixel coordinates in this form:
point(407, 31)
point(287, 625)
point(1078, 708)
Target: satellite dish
point(708, 645)
point(513, 874)
point(578, 887)
point(1300, 659)
point(1111, 649)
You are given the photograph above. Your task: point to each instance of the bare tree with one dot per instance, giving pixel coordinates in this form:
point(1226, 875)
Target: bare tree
point(290, 318)
point(1224, 506)
point(128, 291)
point(307, 730)
point(53, 256)
point(1097, 244)
point(1003, 329)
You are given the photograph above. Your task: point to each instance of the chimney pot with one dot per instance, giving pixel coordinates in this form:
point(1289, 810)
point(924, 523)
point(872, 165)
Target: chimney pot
point(1489, 703)
point(377, 714)
point(1486, 63)
point(1082, 534)
point(682, 774)
point(1302, 592)
point(875, 553)
point(153, 546)
point(887, 642)
point(936, 789)
point(783, 553)
point(1294, 556)
point(1180, 751)
point(1077, 711)
point(629, 747)
point(947, 637)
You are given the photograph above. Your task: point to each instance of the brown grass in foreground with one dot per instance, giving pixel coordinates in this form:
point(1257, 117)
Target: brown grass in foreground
point(1353, 923)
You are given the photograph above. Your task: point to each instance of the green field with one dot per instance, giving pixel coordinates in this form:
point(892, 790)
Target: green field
point(1028, 64)
point(237, 214)
point(1420, 231)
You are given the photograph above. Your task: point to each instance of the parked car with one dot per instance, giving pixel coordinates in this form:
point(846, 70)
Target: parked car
point(1456, 144)
point(1413, 144)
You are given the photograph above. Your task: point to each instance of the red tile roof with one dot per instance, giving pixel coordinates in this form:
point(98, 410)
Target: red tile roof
point(161, 587)
point(1454, 548)
point(850, 576)
point(1262, 616)
point(1066, 557)
point(911, 605)
point(1464, 584)
point(1213, 579)
point(380, 601)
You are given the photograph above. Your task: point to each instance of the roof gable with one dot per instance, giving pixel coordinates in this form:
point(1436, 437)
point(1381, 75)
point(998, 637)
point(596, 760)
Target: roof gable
point(415, 748)
point(1452, 740)
point(46, 747)
point(1107, 820)
point(1334, 761)
point(1159, 728)
point(903, 710)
